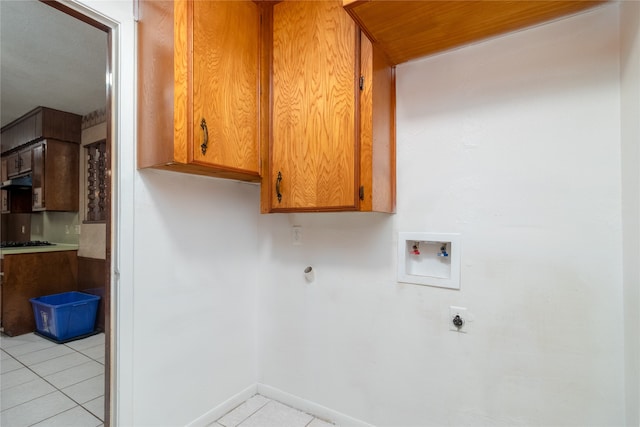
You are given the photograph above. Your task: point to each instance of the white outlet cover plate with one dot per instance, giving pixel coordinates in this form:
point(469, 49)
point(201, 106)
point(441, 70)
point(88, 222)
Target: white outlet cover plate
point(454, 239)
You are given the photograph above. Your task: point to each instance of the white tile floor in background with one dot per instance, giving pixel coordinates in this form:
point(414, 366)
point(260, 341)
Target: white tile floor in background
point(47, 384)
point(259, 411)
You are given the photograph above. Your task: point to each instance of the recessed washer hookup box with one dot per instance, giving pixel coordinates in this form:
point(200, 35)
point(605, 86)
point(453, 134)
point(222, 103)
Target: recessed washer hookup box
point(66, 316)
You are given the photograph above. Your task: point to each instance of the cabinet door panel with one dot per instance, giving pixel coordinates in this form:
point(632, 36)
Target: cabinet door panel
point(13, 165)
point(4, 201)
point(55, 176)
point(314, 141)
point(27, 129)
point(226, 54)
point(37, 176)
point(25, 160)
point(19, 163)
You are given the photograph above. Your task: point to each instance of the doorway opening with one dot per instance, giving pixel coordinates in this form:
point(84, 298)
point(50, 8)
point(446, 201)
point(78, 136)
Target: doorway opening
point(103, 191)
point(35, 79)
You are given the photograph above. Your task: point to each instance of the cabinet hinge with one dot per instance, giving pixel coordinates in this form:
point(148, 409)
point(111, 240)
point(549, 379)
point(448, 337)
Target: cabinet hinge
point(361, 82)
point(362, 192)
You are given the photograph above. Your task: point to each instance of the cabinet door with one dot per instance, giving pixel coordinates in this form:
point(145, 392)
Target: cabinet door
point(314, 142)
point(4, 202)
point(19, 163)
point(37, 176)
point(55, 176)
point(26, 129)
point(13, 165)
point(226, 54)
point(25, 160)
point(199, 60)
point(9, 139)
point(4, 194)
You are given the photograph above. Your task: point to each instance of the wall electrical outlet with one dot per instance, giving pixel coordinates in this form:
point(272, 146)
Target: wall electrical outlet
point(458, 319)
point(296, 235)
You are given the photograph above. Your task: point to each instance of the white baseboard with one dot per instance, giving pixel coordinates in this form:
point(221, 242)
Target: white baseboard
point(217, 412)
point(312, 408)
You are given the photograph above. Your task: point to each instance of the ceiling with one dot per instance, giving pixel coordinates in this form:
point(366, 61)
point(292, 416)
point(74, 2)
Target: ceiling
point(49, 59)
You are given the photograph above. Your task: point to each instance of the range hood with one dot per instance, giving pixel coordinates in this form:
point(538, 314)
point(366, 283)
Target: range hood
point(19, 183)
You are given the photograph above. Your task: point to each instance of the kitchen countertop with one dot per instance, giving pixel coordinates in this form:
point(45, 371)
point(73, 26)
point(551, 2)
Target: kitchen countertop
point(35, 249)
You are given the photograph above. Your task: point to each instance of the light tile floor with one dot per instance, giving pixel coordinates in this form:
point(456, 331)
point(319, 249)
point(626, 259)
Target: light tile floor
point(259, 411)
point(47, 384)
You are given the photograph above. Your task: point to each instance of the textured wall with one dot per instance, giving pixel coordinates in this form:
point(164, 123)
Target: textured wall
point(515, 144)
point(195, 286)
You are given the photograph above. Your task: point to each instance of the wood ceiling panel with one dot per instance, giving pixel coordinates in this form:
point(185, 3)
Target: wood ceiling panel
point(407, 30)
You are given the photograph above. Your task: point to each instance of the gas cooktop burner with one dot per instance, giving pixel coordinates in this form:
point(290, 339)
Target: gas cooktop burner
point(25, 244)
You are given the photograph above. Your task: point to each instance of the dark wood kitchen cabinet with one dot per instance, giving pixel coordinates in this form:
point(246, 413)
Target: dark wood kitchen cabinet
point(16, 200)
point(41, 123)
point(4, 194)
point(55, 176)
point(24, 147)
point(198, 87)
point(33, 275)
point(19, 163)
point(328, 84)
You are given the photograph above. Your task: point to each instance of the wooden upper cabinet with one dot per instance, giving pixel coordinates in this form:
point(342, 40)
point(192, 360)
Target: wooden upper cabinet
point(55, 176)
point(406, 30)
point(41, 123)
point(4, 194)
point(321, 144)
point(19, 163)
point(199, 64)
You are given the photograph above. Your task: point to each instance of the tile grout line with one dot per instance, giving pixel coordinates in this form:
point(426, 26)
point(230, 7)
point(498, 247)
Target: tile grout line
point(57, 357)
point(14, 369)
point(48, 418)
point(79, 351)
point(91, 359)
point(313, 417)
point(250, 415)
point(56, 390)
point(53, 385)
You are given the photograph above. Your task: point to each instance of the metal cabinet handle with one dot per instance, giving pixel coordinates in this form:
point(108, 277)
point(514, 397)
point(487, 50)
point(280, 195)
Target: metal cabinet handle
point(205, 141)
point(278, 181)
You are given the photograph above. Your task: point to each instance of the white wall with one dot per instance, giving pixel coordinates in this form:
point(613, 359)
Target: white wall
point(183, 338)
point(630, 91)
point(194, 295)
point(515, 143)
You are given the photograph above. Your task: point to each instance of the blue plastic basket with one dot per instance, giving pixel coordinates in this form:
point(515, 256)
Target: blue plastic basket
point(65, 316)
